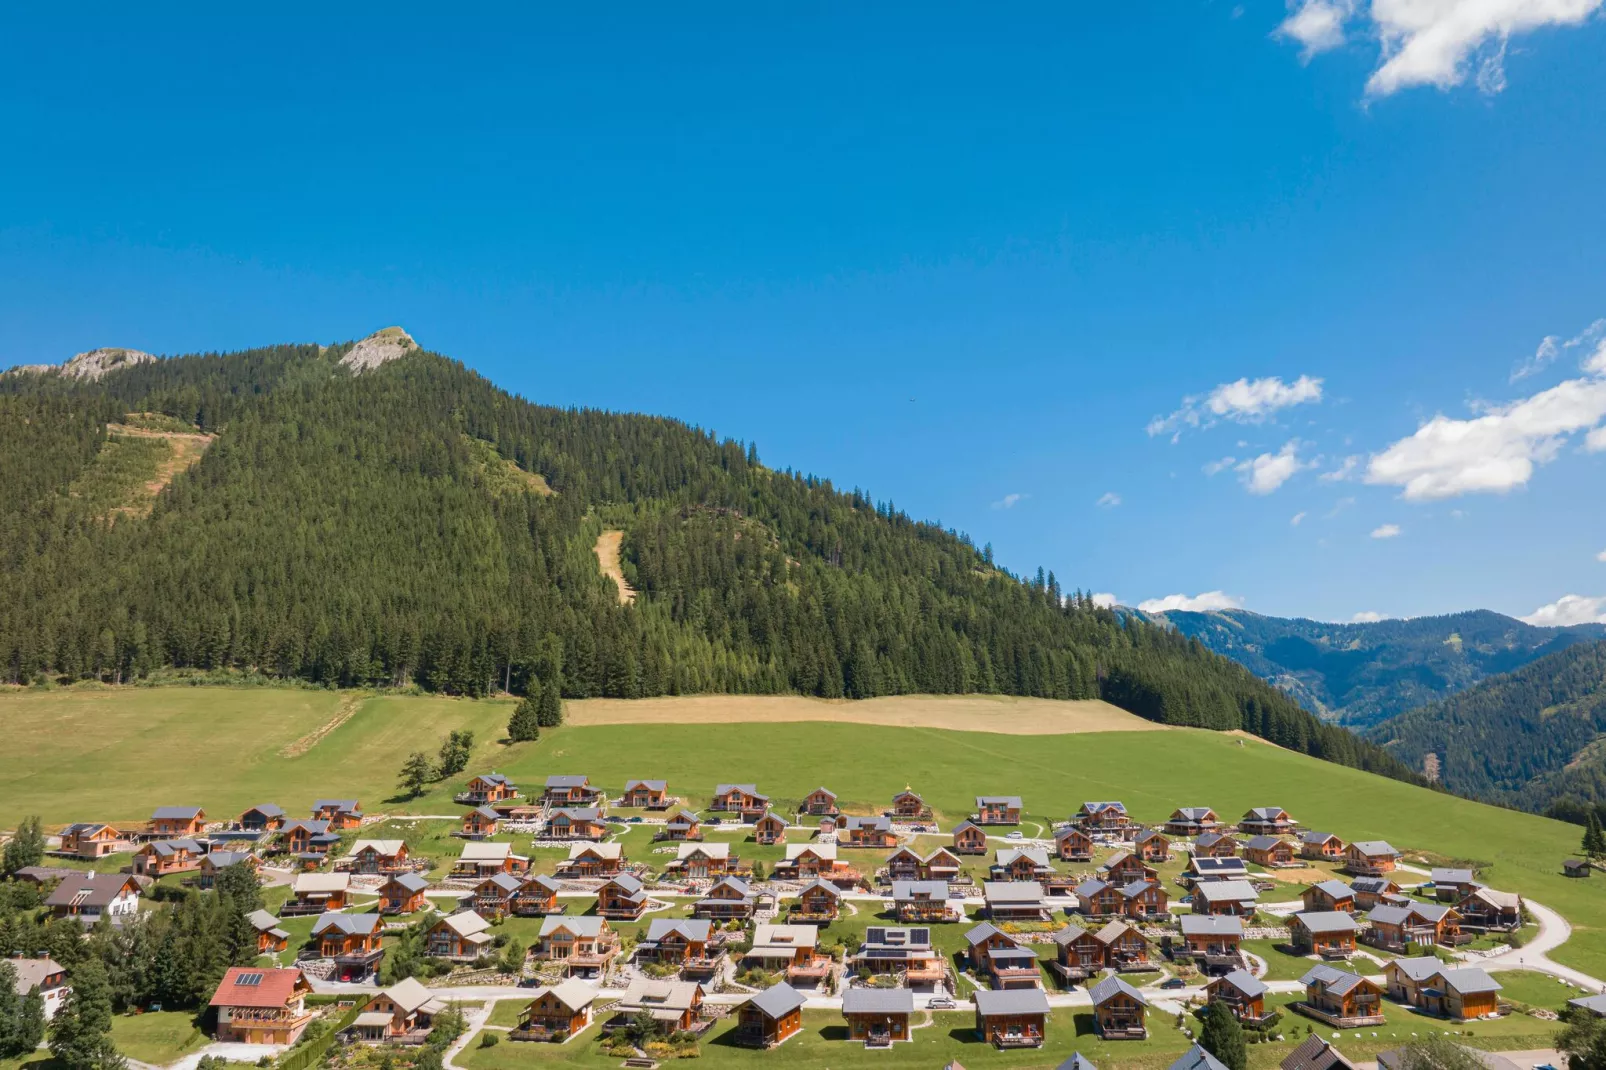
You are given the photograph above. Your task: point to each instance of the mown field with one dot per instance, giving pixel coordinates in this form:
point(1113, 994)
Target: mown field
point(115, 754)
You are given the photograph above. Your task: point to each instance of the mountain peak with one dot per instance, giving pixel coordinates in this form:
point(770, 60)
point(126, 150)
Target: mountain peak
point(378, 348)
point(97, 363)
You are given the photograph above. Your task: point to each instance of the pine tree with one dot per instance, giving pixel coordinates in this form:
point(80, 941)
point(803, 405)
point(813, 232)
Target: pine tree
point(455, 751)
point(416, 773)
point(30, 1029)
point(1595, 837)
point(25, 848)
point(550, 710)
point(525, 724)
point(10, 1007)
point(1223, 1037)
point(80, 1033)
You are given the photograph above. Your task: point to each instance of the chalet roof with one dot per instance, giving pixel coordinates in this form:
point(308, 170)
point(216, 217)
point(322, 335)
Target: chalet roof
point(1450, 876)
point(90, 889)
point(486, 812)
point(78, 827)
point(986, 931)
point(1210, 839)
point(596, 850)
point(1498, 900)
point(1111, 987)
point(644, 992)
point(1594, 1004)
point(990, 1004)
point(745, 789)
point(967, 824)
point(736, 884)
point(786, 937)
point(1212, 925)
point(696, 930)
point(707, 850)
point(1076, 1062)
point(321, 883)
point(777, 1001)
point(1266, 813)
point(1262, 843)
point(1149, 834)
point(825, 886)
point(567, 781)
point(1419, 969)
point(1193, 813)
point(1090, 887)
point(176, 813)
point(1116, 859)
point(492, 778)
point(771, 815)
point(265, 809)
point(1070, 934)
point(574, 994)
point(1331, 978)
point(1326, 921)
point(650, 785)
point(1112, 932)
point(884, 936)
point(32, 972)
point(576, 813)
point(543, 882)
point(1196, 1058)
point(316, 826)
point(263, 922)
point(878, 1001)
point(41, 874)
point(168, 848)
point(1068, 831)
point(1469, 979)
point(1335, 889)
point(465, 923)
point(823, 791)
point(1375, 848)
point(685, 817)
point(1103, 807)
point(383, 848)
point(907, 793)
point(1225, 891)
point(1037, 856)
point(825, 852)
point(630, 884)
point(507, 883)
point(1246, 982)
point(912, 889)
point(411, 882)
point(350, 924)
point(1431, 912)
point(1389, 915)
point(1210, 867)
point(905, 850)
point(1374, 885)
point(880, 823)
point(578, 924)
point(1011, 802)
point(256, 986)
point(1012, 891)
point(1137, 888)
point(225, 859)
point(485, 851)
point(409, 994)
point(1316, 1053)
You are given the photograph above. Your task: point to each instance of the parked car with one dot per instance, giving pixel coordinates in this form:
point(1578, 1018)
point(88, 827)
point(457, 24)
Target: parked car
point(1016, 835)
point(1173, 982)
point(943, 1003)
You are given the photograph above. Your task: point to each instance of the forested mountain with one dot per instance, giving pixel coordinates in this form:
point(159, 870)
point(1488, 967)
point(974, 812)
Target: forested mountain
point(1528, 738)
point(1359, 674)
point(353, 522)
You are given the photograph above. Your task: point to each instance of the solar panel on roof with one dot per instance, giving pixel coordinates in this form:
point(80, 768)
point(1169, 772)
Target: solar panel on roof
point(248, 980)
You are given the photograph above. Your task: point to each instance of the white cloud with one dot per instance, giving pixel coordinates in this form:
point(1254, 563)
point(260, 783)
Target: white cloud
point(1266, 473)
point(1296, 519)
point(1595, 441)
point(1569, 609)
point(1213, 467)
point(1551, 347)
point(1430, 42)
point(1105, 599)
point(1108, 500)
point(1246, 401)
point(1367, 616)
point(1386, 531)
point(1601, 556)
point(1009, 501)
point(1207, 602)
point(1343, 472)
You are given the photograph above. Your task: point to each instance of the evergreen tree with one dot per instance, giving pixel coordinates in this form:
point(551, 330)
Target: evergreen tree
point(525, 725)
point(455, 751)
point(416, 773)
point(550, 710)
point(25, 848)
point(512, 958)
point(10, 1008)
point(1223, 1037)
point(242, 886)
point(1583, 1040)
point(80, 1033)
point(30, 1031)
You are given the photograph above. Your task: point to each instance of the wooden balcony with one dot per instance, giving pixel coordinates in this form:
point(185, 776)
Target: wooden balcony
point(1010, 1041)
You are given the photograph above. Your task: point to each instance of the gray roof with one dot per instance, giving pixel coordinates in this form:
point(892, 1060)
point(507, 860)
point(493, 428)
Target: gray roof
point(1451, 876)
point(97, 890)
point(578, 924)
point(771, 815)
point(984, 931)
point(1226, 891)
point(31, 972)
point(1069, 933)
point(877, 824)
point(1433, 912)
point(626, 881)
point(1210, 866)
point(695, 929)
point(1262, 843)
point(345, 806)
point(1327, 921)
point(266, 810)
point(1593, 1004)
point(999, 800)
point(173, 847)
point(1375, 847)
point(1331, 978)
point(1069, 831)
point(1009, 1001)
point(1110, 986)
point(1378, 885)
point(316, 826)
point(1469, 979)
point(175, 813)
point(1266, 813)
point(1037, 856)
point(1090, 887)
point(505, 881)
point(224, 859)
point(1316, 837)
point(1316, 1053)
point(412, 882)
point(1076, 1062)
point(486, 812)
point(1100, 807)
point(745, 789)
point(1208, 839)
point(346, 923)
point(1246, 982)
point(1012, 891)
point(577, 813)
point(1386, 915)
point(566, 781)
point(740, 886)
point(1137, 888)
point(650, 785)
point(1196, 1058)
point(778, 1000)
point(1212, 925)
point(1418, 969)
point(1336, 889)
point(1193, 813)
point(878, 1001)
point(262, 921)
point(911, 889)
point(492, 778)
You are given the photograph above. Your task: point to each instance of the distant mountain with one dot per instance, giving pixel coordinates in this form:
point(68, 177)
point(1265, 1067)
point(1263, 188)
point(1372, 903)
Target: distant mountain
point(1531, 738)
point(1359, 674)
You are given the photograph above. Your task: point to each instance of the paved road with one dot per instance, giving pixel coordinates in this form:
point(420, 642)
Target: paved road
point(1553, 932)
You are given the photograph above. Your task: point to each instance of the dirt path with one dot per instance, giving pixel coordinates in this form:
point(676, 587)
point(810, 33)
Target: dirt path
point(349, 705)
point(608, 544)
point(184, 450)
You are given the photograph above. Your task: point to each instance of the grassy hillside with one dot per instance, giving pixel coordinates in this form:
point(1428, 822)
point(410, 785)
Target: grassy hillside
point(114, 754)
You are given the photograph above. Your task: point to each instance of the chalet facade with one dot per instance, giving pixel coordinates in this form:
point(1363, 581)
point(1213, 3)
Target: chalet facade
point(1215, 845)
point(743, 799)
point(158, 858)
point(1189, 821)
point(261, 1006)
point(403, 1013)
point(404, 893)
point(461, 937)
point(792, 950)
point(1458, 993)
point(1396, 928)
point(646, 795)
point(317, 893)
point(729, 898)
point(685, 826)
point(537, 897)
point(264, 817)
point(1371, 858)
point(214, 863)
point(997, 810)
point(856, 831)
point(378, 857)
point(1012, 1018)
point(1103, 818)
point(1340, 998)
point(480, 823)
point(1014, 901)
point(1243, 994)
point(589, 860)
point(622, 898)
point(352, 941)
point(807, 861)
point(91, 840)
point(481, 859)
point(1329, 895)
point(770, 1017)
point(1266, 821)
point(682, 942)
point(923, 901)
point(558, 1013)
point(493, 896)
point(571, 790)
point(969, 839)
point(906, 953)
point(176, 822)
point(1123, 866)
point(820, 802)
point(575, 823)
point(908, 806)
point(1373, 892)
point(1071, 844)
point(1151, 845)
point(1119, 1010)
point(1451, 885)
point(341, 814)
point(770, 829)
point(819, 901)
point(270, 938)
point(309, 840)
point(1145, 900)
point(1492, 911)
point(488, 788)
point(1021, 864)
point(1269, 852)
point(585, 943)
point(675, 1006)
point(878, 1017)
point(1214, 943)
point(1225, 897)
point(702, 861)
point(91, 896)
point(1328, 933)
point(1320, 846)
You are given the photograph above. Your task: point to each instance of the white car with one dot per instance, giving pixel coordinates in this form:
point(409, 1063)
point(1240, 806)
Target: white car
point(1016, 835)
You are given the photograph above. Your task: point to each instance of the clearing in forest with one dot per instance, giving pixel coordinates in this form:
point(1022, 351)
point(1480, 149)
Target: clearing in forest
point(608, 544)
point(135, 465)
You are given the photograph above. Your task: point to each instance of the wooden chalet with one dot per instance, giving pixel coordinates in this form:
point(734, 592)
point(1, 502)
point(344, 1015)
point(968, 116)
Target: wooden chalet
point(1189, 821)
point(341, 814)
point(820, 802)
point(1328, 933)
point(404, 1013)
point(1243, 994)
point(1145, 900)
point(488, 788)
point(1329, 895)
point(557, 1013)
point(317, 893)
point(575, 823)
point(585, 943)
point(682, 942)
point(270, 938)
point(729, 898)
point(1152, 845)
point(91, 896)
point(1005, 961)
point(878, 1017)
point(483, 858)
point(1097, 898)
point(1078, 954)
point(1266, 821)
point(1103, 818)
point(158, 858)
point(769, 1017)
point(1071, 844)
point(1373, 891)
point(460, 937)
point(480, 823)
point(1320, 846)
point(308, 840)
point(593, 860)
point(1119, 1010)
point(819, 901)
point(770, 829)
point(1203, 870)
point(909, 806)
point(352, 941)
point(743, 799)
point(806, 861)
point(1270, 852)
point(906, 864)
point(685, 826)
point(1396, 928)
point(1451, 885)
point(1213, 943)
point(1315, 1053)
point(570, 790)
point(923, 901)
point(790, 949)
point(1225, 897)
point(622, 898)
point(702, 861)
point(856, 831)
point(264, 817)
point(381, 857)
point(969, 839)
point(214, 863)
point(1371, 858)
point(1124, 947)
point(493, 896)
point(176, 822)
point(1123, 866)
point(1491, 911)
point(404, 893)
point(1459, 993)
point(941, 864)
point(1011, 1018)
point(906, 953)
point(254, 1005)
point(997, 810)
point(537, 896)
point(1576, 867)
point(1340, 998)
point(675, 1006)
point(1021, 864)
point(91, 840)
point(1215, 845)
point(646, 795)
point(1014, 900)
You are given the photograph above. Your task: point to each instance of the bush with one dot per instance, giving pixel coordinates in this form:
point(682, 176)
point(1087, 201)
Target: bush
point(489, 1039)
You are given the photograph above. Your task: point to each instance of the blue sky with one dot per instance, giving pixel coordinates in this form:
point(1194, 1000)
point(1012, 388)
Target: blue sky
point(975, 263)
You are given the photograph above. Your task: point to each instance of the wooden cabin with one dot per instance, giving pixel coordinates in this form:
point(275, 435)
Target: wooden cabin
point(806, 861)
point(1329, 895)
point(770, 829)
point(488, 788)
point(1243, 994)
point(1103, 818)
point(729, 898)
point(878, 1017)
point(1371, 858)
point(309, 840)
point(1097, 899)
point(623, 898)
point(1225, 897)
point(1123, 867)
point(820, 901)
point(675, 1006)
point(866, 832)
point(575, 823)
point(1215, 944)
point(1487, 909)
point(1124, 947)
point(404, 1012)
point(905, 951)
point(908, 806)
point(588, 860)
point(256, 1005)
point(1188, 821)
point(460, 937)
point(1021, 864)
point(1340, 998)
point(352, 941)
point(743, 799)
point(557, 1013)
point(1000, 957)
point(1460, 994)
point(1266, 821)
point(341, 814)
point(1270, 852)
point(1203, 870)
point(483, 858)
point(215, 862)
point(1576, 867)
point(1373, 891)
point(769, 1017)
point(646, 795)
point(404, 893)
point(1320, 846)
point(1071, 844)
point(91, 840)
point(91, 896)
point(702, 861)
point(176, 822)
point(940, 865)
point(1328, 933)
point(683, 942)
point(792, 949)
point(1151, 845)
point(271, 940)
point(922, 901)
point(685, 826)
point(969, 839)
point(820, 802)
point(1014, 900)
point(1145, 900)
point(264, 817)
point(906, 864)
point(378, 857)
point(537, 897)
point(1078, 953)
point(1215, 845)
point(570, 790)
point(158, 858)
point(493, 896)
point(480, 823)
point(1119, 1010)
point(585, 942)
point(1011, 1018)
point(1395, 928)
point(997, 810)
point(317, 893)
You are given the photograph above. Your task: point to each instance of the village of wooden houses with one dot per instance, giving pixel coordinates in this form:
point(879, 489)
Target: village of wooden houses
point(573, 913)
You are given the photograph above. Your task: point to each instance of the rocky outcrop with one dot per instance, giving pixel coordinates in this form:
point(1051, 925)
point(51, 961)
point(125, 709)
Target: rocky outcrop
point(90, 366)
point(378, 348)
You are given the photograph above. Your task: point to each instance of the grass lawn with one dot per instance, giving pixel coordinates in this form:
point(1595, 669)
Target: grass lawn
point(156, 1037)
point(509, 1012)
